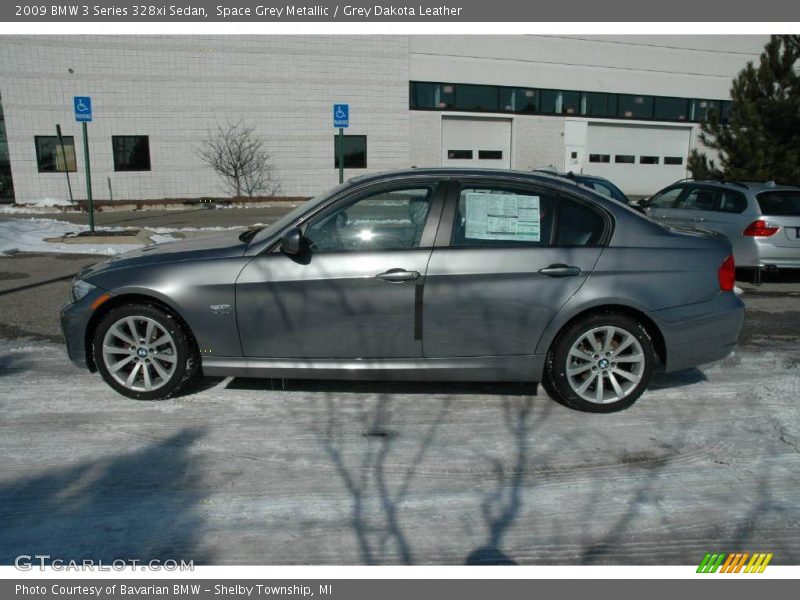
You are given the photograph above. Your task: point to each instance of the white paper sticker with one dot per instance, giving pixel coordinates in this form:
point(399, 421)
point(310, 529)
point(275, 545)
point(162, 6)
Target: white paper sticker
point(502, 216)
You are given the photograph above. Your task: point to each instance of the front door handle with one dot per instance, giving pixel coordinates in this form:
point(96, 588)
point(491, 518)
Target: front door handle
point(698, 220)
point(560, 270)
point(398, 275)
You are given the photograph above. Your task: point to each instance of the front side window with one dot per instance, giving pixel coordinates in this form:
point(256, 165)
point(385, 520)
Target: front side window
point(49, 155)
point(699, 198)
point(386, 220)
point(355, 151)
point(131, 152)
point(667, 198)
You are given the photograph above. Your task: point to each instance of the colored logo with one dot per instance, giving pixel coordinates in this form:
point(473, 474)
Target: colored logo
point(734, 563)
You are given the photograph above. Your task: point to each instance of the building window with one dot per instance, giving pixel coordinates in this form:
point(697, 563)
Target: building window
point(648, 160)
point(519, 100)
point(673, 160)
point(355, 151)
point(459, 154)
point(700, 110)
point(49, 156)
point(437, 96)
point(671, 109)
point(505, 99)
point(476, 97)
point(595, 104)
point(627, 159)
point(490, 154)
point(635, 107)
point(131, 152)
point(599, 158)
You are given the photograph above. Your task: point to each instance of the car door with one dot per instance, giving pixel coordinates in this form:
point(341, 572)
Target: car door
point(507, 258)
point(662, 207)
point(354, 293)
point(696, 208)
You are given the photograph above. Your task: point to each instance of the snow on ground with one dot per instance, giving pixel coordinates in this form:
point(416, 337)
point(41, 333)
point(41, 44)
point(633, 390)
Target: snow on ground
point(242, 471)
point(28, 235)
point(44, 205)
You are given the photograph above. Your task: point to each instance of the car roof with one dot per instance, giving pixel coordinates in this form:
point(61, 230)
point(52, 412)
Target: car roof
point(460, 172)
point(754, 186)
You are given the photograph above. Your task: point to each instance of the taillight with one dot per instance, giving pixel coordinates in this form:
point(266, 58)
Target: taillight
point(761, 228)
point(727, 275)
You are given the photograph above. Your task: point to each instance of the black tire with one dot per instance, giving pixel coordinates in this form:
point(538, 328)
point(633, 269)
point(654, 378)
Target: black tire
point(187, 357)
point(555, 381)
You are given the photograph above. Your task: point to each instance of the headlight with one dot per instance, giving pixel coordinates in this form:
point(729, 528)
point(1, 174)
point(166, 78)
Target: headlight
point(80, 288)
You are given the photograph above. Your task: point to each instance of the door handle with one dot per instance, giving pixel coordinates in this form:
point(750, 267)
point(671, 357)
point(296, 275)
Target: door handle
point(698, 220)
point(560, 270)
point(398, 275)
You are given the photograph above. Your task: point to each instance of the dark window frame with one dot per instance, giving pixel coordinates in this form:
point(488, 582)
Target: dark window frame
point(336, 151)
point(71, 138)
point(123, 166)
point(612, 101)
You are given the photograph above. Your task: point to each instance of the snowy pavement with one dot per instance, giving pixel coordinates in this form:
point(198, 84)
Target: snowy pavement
point(237, 472)
point(40, 235)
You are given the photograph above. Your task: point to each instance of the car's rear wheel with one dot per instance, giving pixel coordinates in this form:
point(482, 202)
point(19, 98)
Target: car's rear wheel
point(600, 364)
point(143, 352)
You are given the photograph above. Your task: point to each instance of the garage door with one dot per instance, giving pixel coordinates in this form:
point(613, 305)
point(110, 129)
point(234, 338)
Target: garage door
point(484, 143)
point(639, 159)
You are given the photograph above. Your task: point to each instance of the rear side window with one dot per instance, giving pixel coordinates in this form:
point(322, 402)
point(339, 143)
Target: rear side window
point(578, 225)
point(732, 202)
point(502, 218)
point(496, 217)
point(779, 204)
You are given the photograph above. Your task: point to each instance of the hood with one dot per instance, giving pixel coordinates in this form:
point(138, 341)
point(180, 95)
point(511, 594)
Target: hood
point(226, 245)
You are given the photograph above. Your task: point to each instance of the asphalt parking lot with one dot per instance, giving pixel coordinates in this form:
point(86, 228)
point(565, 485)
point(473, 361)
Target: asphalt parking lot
point(269, 472)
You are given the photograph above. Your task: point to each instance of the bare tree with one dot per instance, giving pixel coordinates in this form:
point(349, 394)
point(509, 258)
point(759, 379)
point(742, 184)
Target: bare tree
point(238, 155)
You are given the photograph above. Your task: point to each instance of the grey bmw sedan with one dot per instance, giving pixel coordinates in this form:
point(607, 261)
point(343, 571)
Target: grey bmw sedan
point(424, 274)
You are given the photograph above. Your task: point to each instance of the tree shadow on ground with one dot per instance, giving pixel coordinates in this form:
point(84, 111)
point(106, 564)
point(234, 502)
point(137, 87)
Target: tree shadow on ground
point(138, 505)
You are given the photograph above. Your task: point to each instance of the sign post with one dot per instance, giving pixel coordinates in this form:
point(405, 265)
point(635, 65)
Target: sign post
point(341, 119)
point(64, 158)
point(83, 115)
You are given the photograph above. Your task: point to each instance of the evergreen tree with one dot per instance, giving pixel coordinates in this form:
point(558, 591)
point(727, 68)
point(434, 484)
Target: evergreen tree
point(761, 139)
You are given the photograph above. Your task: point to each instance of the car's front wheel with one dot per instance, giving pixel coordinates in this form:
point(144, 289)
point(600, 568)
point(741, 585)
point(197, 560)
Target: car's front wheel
point(600, 364)
point(143, 352)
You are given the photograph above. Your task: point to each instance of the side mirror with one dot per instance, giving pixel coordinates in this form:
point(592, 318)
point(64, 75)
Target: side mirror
point(292, 242)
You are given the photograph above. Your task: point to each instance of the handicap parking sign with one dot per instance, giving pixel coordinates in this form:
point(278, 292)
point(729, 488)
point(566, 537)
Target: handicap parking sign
point(83, 108)
point(341, 115)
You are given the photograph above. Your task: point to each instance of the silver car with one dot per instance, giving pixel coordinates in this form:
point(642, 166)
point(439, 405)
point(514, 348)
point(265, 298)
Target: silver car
point(762, 220)
point(425, 274)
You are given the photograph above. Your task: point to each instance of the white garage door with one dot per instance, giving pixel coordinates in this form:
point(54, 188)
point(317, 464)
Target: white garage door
point(639, 159)
point(484, 143)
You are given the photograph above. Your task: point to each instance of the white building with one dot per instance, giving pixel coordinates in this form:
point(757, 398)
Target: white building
point(624, 107)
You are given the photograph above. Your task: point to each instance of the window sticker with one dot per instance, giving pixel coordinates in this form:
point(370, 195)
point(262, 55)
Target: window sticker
point(502, 216)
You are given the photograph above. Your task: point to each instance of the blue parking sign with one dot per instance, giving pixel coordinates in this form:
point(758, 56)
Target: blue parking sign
point(341, 115)
point(83, 108)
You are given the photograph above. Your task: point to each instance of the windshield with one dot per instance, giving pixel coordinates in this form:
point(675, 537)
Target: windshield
point(296, 213)
point(780, 203)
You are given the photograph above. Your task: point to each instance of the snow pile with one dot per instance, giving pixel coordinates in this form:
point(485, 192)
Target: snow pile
point(28, 235)
point(44, 205)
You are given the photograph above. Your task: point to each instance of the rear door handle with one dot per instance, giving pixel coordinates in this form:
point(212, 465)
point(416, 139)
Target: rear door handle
point(398, 275)
point(560, 271)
